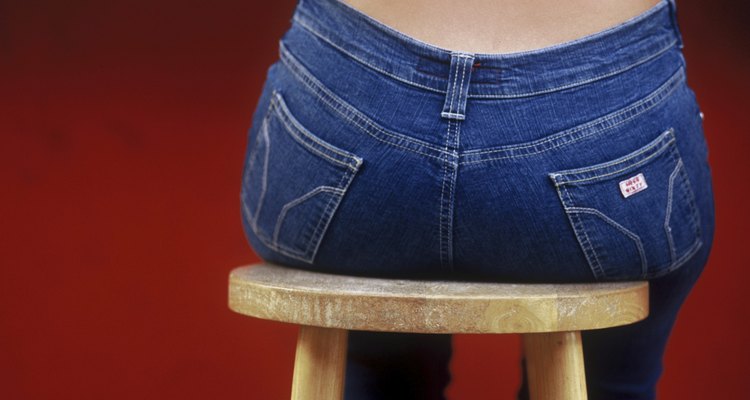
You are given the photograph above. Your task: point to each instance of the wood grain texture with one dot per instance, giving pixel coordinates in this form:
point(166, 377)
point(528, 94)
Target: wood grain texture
point(554, 364)
point(356, 303)
point(319, 364)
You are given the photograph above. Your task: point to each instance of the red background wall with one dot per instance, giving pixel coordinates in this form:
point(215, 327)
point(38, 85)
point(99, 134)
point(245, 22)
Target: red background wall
point(122, 132)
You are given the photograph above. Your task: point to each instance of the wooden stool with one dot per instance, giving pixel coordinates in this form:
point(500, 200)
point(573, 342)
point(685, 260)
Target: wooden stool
point(550, 317)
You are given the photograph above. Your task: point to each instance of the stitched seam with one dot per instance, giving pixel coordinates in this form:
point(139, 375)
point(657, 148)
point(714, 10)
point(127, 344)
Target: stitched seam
point(450, 114)
point(382, 71)
point(446, 199)
point(579, 231)
point(661, 92)
point(337, 105)
point(694, 215)
point(345, 183)
point(633, 236)
point(693, 248)
point(449, 217)
point(249, 217)
point(624, 168)
point(264, 178)
point(442, 219)
point(667, 217)
point(696, 245)
point(452, 193)
point(375, 136)
point(326, 216)
point(442, 207)
point(489, 96)
point(272, 243)
point(262, 134)
point(579, 83)
point(282, 249)
point(295, 202)
point(567, 137)
point(293, 131)
point(657, 146)
point(454, 93)
point(251, 165)
point(663, 140)
point(687, 188)
point(306, 256)
point(264, 126)
point(580, 235)
point(453, 87)
point(449, 179)
point(461, 86)
point(295, 128)
point(443, 262)
point(268, 243)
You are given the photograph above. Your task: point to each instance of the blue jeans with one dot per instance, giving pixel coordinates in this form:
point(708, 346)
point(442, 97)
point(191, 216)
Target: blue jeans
point(372, 153)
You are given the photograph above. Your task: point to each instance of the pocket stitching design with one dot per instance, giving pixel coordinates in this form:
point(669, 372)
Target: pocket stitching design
point(668, 215)
point(299, 200)
point(694, 212)
point(262, 134)
point(657, 145)
point(299, 134)
point(563, 177)
point(694, 215)
point(327, 215)
point(632, 235)
point(578, 227)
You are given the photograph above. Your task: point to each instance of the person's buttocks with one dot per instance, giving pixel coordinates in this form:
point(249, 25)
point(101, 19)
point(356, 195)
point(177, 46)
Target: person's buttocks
point(500, 26)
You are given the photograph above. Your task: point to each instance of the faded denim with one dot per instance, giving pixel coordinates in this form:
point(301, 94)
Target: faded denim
point(373, 153)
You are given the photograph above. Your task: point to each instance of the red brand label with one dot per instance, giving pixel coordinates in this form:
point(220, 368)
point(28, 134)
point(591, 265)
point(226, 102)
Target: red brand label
point(633, 185)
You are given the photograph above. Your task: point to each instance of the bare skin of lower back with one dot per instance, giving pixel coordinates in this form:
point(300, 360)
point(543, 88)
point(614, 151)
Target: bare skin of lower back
point(500, 26)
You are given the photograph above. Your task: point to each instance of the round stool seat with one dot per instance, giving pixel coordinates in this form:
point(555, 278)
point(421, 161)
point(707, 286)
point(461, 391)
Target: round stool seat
point(549, 317)
point(358, 303)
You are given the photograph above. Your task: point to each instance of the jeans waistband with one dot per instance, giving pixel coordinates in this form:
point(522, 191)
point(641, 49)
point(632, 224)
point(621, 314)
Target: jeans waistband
point(498, 75)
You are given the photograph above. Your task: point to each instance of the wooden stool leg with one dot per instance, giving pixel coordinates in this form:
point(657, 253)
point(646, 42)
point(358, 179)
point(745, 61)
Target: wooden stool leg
point(319, 364)
point(554, 366)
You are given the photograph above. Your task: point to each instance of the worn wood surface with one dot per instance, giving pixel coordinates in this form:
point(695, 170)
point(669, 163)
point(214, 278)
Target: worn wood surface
point(554, 365)
point(307, 298)
point(319, 364)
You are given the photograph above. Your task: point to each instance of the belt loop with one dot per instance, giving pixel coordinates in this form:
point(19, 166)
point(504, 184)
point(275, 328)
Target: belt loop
point(458, 86)
point(675, 26)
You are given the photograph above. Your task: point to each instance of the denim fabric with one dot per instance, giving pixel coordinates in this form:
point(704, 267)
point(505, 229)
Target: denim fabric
point(373, 153)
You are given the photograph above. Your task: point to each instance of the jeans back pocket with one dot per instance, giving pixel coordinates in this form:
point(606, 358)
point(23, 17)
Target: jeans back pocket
point(634, 217)
point(293, 182)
